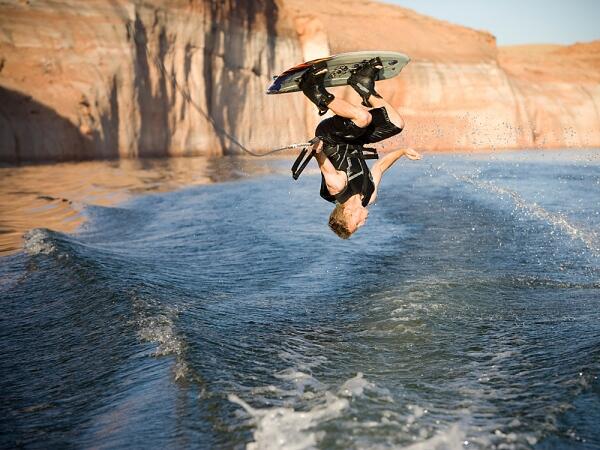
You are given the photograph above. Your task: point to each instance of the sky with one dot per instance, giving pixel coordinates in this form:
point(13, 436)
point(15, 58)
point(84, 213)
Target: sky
point(519, 21)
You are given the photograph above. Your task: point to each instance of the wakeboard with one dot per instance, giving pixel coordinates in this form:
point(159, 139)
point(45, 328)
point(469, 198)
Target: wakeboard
point(339, 68)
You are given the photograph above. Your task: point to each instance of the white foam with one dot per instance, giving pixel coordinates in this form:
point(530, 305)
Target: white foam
point(159, 328)
point(300, 380)
point(289, 427)
point(286, 429)
point(355, 387)
point(417, 412)
point(449, 439)
point(38, 241)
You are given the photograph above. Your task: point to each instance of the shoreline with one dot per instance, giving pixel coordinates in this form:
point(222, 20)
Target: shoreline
point(54, 195)
point(292, 154)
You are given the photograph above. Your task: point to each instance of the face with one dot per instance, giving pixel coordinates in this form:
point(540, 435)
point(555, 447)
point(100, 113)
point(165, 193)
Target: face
point(357, 218)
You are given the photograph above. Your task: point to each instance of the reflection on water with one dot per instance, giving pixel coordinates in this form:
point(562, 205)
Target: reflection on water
point(52, 196)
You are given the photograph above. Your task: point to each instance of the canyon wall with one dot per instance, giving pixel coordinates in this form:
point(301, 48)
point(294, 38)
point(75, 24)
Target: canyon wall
point(460, 91)
point(559, 88)
point(78, 79)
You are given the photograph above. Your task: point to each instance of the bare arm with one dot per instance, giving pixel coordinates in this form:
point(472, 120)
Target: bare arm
point(386, 162)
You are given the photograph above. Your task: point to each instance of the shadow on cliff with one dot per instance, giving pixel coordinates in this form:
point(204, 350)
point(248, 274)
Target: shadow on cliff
point(229, 28)
point(33, 132)
point(227, 38)
point(154, 136)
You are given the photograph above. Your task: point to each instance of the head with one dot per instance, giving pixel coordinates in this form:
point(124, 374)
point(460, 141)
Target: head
point(346, 218)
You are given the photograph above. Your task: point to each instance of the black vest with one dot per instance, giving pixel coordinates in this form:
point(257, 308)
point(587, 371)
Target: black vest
point(350, 159)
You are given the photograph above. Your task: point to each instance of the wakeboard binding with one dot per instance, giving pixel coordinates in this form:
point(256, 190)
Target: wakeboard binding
point(363, 77)
point(312, 85)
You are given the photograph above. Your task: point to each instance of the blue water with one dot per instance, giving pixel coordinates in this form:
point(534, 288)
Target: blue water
point(465, 314)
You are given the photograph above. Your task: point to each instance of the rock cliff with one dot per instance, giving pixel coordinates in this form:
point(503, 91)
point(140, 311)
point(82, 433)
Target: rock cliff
point(78, 79)
point(460, 91)
point(559, 90)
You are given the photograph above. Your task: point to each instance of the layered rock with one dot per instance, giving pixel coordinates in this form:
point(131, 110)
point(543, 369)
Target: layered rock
point(460, 91)
point(559, 89)
point(79, 79)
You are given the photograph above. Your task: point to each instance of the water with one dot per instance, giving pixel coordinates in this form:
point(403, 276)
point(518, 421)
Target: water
point(465, 314)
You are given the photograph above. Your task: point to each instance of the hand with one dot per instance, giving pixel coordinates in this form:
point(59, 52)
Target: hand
point(412, 154)
point(318, 146)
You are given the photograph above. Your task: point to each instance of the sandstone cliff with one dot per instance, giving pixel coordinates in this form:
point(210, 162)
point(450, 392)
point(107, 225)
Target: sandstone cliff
point(76, 81)
point(559, 88)
point(460, 91)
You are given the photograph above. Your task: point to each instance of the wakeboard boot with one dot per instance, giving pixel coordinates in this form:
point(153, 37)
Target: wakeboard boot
point(363, 77)
point(312, 85)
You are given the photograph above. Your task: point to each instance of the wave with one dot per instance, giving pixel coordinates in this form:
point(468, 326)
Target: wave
point(558, 221)
point(284, 427)
point(39, 241)
point(43, 241)
point(291, 427)
point(287, 429)
point(153, 320)
point(155, 323)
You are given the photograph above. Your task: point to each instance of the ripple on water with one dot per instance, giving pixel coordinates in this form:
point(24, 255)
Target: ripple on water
point(463, 316)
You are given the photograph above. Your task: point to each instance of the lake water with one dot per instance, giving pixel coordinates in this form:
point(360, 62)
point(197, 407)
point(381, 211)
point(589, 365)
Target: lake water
point(465, 314)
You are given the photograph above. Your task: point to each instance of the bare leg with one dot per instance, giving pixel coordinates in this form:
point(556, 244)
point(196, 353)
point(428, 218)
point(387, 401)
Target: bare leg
point(358, 115)
point(392, 113)
point(361, 117)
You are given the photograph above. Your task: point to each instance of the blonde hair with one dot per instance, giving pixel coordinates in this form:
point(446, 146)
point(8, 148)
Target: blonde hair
point(338, 223)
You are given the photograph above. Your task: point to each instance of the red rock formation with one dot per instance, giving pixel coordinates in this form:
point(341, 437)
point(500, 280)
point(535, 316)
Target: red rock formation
point(559, 87)
point(460, 91)
point(76, 81)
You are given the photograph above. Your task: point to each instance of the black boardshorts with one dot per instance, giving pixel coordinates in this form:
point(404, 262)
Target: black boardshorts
point(341, 130)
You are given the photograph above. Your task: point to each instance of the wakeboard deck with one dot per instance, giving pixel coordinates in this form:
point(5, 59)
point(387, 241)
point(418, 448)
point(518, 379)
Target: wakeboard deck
point(338, 69)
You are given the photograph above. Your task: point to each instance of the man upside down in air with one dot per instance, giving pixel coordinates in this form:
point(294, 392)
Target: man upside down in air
point(346, 178)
